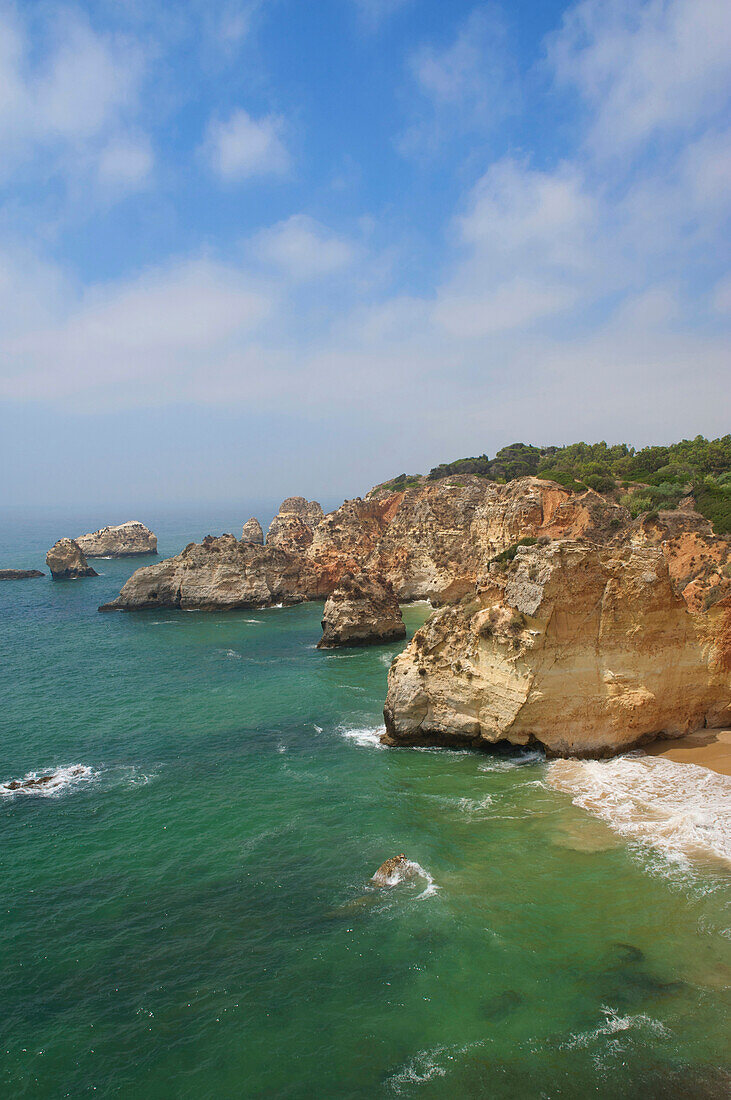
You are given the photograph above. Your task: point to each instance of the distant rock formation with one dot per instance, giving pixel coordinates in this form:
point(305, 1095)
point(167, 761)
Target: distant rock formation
point(215, 575)
point(363, 610)
point(123, 541)
point(293, 526)
point(19, 574)
point(67, 562)
point(252, 533)
point(582, 649)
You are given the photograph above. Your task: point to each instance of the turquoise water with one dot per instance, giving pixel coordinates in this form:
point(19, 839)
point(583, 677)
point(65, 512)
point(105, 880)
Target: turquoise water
point(192, 918)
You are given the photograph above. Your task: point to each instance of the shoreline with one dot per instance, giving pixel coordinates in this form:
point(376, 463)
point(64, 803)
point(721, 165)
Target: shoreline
point(708, 748)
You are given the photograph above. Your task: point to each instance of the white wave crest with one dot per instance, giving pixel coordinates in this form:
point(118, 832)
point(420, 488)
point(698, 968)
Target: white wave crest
point(614, 1024)
point(48, 784)
point(681, 810)
point(408, 871)
point(366, 737)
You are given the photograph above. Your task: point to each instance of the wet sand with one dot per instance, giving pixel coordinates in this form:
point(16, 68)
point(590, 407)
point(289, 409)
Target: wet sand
point(707, 748)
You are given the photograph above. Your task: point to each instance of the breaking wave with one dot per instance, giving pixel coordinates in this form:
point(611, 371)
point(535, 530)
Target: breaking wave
point(614, 1024)
point(680, 810)
point(365, 737)
point(48, 784)
point(507, 762)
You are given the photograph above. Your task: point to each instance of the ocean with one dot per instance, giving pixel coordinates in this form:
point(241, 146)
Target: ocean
point(187, 912)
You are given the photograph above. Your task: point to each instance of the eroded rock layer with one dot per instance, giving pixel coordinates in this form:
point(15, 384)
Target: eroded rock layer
point(66, 561)
point(583, 649)
point(121, 541)
point(363, 610)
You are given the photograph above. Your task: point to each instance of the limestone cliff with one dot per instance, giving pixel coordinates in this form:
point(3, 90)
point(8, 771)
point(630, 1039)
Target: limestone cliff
point(252, 533)
point(66, 561)
point(583, 649)
point(217, 574)
point(363, 610)
point(293, 526)
point(122, 541)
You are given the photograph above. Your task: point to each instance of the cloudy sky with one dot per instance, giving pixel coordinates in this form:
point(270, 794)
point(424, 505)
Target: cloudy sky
point(251, 248)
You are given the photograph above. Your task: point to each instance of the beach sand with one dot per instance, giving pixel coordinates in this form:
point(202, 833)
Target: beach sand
point(707, 748)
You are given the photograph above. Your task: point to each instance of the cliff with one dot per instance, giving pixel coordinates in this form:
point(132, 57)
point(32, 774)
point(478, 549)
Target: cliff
point(583, 649)
point(124, 540)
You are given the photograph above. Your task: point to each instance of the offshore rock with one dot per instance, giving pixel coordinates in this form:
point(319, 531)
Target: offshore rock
point(217, 574)
point(394, 870)
point(293, 526)
point(124, 540)
point(583, 649)
point(363, 610)
point(252, 533)
point(66, 561)
point(19, 574)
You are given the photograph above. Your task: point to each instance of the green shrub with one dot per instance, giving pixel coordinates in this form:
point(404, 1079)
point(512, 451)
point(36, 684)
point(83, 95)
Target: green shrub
point(509, 553)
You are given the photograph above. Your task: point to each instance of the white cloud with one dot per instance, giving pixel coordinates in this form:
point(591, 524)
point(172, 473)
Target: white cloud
point(466, 85)
point(243, 147)
point(645, 69)
point(302, 248)
point(374, 12)
point(125, 163)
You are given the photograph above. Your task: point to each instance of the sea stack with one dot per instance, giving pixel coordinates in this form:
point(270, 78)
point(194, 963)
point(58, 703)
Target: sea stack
point(251, 533)
point(126, 540)
point(363, 610)
point(67, 562)
point(293, 526)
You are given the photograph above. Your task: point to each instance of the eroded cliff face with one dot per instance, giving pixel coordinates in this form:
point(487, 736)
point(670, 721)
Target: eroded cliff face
point(293, 526)
point(586, 650)
point(217, 574)
point(121, 541)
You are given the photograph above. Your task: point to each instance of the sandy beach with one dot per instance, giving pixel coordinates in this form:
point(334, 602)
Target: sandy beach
point(708, 748)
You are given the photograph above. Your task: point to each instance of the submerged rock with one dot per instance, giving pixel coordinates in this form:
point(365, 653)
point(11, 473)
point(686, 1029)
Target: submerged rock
point(585, 650)
point(123, 541)
point(19, 574)
point(66, 561)
point(363, 610)
point(252, 532)
point(394, 870)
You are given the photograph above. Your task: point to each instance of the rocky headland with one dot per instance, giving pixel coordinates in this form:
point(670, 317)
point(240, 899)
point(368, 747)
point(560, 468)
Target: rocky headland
point(363, 610)
point(121, 541)
point(565, 617)
point(19, 574)
point(67, 562)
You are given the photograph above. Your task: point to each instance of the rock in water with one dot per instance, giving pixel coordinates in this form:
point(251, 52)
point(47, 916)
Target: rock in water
point(124, 540)
point(252, 533)
point(363, 610)
point(587, 651)
point(19, 574)
point(293, 526)
point(66, 561)
point(394, 870)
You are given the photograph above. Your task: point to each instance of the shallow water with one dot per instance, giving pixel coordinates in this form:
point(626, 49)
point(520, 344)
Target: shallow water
point(192, 915)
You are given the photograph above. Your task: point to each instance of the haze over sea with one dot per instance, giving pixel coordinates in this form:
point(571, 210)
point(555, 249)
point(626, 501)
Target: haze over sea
point(189, 913)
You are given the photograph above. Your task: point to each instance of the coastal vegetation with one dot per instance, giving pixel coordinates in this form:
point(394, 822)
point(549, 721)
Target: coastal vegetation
point(645, 481)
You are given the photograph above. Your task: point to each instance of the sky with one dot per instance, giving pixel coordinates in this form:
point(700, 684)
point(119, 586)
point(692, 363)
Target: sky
point(256, 248)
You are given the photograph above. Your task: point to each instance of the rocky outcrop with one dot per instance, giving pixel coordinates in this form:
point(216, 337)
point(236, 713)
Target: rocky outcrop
point(293, 526)
point(19, 574)
point(393, 870)
point(362, 610)
point(215, 575)
point(252, 533)
point(123, 541)
point(67, 562)
point(582, 649)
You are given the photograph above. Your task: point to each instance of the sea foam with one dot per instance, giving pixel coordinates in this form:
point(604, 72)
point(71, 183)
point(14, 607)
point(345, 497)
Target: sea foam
point(680, 810)
point(48, 784)
point(365, 737)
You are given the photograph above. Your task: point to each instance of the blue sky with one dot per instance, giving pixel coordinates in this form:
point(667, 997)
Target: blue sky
point(250, 248)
